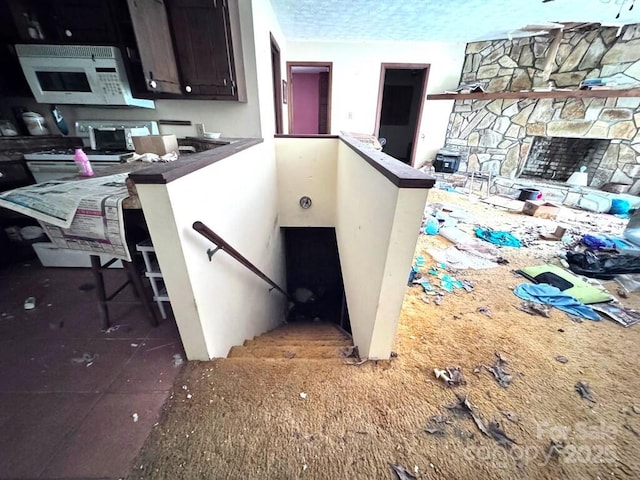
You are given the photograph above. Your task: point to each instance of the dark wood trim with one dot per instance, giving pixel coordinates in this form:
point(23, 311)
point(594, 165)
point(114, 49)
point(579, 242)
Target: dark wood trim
point(277, 82)
point(289, 135)
point(185, 123)
point(423, 94)
point(399, 173)
point(630, 92)
point(222, 244)
point(161, 173)
point(290, 88)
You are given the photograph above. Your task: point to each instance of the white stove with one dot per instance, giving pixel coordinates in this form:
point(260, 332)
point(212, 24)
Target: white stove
point(68, 155)
point(55, 164)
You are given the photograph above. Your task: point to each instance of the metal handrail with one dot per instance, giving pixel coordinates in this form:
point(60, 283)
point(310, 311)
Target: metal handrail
point(221, 244)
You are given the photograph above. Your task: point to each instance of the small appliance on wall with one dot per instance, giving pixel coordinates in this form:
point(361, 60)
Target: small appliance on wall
point(77, 74)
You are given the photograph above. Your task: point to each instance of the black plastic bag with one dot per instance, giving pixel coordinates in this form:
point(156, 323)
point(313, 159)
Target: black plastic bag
point(602, 265)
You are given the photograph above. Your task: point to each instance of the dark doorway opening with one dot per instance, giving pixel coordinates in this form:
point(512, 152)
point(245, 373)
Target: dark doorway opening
point(277, 83)
point(400, 101)
point(309, 98)
point(313, 265)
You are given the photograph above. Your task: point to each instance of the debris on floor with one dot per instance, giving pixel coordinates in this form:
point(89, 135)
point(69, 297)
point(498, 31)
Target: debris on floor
point(585, 392)
point(561, 359)
point(497, 237)
point(502, 377)
point(484, 311)
point(550, 295)
point(134, 417)
point(452, 376)
point(533, 308)
point(177, 360)
point(30, 303)
point(402, 473)
point(492, 430)
point(86, 358)
point(618, 313)
point(303, 395)
point(511, 416)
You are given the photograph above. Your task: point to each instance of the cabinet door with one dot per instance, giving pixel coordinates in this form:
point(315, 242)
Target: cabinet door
point(151, 27)
point(202, 37)
point(84, 21)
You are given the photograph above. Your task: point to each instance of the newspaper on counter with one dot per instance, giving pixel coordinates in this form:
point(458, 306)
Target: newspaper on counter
point(79, 215)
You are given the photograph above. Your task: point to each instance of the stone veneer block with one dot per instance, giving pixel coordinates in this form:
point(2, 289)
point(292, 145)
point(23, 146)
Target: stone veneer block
point(474, 138)
point(628, 102)
point(536, 129)
point(634, 70)
point(593, 55)
point(489, 138)
point(569, 79)
point(561, 128)
point(495, 106)
point(631, 170)
point(487, 71)
point(623, 130)
point(513, 132)
point(522, 116)
point(615, 114)
point(636, 119)
point(627, 154)
point(622, 52)
point(598, 130)
point(506, 61)
point(573, 109)
point(574, 58)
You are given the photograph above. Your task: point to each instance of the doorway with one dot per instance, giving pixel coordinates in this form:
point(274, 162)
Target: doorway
point(309, 93)
point(313, 269)
point(401, 97)
point(276, 75)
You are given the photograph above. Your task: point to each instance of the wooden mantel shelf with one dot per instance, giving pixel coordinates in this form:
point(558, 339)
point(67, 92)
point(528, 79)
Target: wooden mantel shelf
point(632, 92)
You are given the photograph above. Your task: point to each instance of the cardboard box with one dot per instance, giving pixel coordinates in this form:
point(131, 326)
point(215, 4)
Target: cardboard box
point(158, 144)
point(540, 208)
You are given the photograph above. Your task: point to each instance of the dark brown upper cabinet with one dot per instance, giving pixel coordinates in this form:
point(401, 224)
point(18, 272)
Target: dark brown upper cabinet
point(63, 21)
point(84, 21)
point(204, 50)
point(150, 24)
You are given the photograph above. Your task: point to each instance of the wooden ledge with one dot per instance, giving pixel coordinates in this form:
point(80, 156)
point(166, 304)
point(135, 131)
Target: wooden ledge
point(400, 174)
point(160, 173)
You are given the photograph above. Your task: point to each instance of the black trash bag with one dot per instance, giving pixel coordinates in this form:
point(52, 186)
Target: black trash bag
point(602, 265)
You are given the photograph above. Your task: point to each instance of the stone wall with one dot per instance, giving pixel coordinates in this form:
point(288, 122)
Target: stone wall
point(496, 135)
point(514, 65)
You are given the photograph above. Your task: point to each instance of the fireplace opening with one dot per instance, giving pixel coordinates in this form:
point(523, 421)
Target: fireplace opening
point(556, 158)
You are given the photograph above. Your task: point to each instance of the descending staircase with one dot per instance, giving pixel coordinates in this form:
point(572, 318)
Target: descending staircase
point(292, 341)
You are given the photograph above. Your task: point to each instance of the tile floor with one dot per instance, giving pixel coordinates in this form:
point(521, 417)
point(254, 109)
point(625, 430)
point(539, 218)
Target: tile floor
point(68, 391)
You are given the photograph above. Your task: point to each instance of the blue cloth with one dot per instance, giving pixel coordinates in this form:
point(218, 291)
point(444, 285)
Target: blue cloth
point(550, 295)
point(504, 239)
point(598, 242)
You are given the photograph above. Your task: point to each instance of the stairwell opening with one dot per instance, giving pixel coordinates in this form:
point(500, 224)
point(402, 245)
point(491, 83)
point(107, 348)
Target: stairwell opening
point(314, 276)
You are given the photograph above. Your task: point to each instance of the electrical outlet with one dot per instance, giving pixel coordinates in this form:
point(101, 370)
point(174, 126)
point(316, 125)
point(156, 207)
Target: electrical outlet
point(200, 129)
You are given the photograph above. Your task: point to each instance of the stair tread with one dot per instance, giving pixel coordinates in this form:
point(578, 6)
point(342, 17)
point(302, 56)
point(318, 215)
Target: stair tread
point(288, 351)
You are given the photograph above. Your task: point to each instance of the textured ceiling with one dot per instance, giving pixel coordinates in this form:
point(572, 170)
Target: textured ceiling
point(437, 21)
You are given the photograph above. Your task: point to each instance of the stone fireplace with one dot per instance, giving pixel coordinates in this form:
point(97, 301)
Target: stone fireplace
point(505, 135)
point(556, 158)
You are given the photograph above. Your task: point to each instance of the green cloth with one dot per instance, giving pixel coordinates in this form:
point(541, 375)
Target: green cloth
point(580, 289)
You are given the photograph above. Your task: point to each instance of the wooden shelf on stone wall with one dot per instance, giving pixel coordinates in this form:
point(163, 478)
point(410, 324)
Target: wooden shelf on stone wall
point(631, 92)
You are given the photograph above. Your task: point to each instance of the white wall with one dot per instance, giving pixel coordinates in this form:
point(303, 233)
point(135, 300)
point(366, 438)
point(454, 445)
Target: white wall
point(356, 77)
point(264, 23)
point(377, 227)
point(219, 304)
point(307, 167)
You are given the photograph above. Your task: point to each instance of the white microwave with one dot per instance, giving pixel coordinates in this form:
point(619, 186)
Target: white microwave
point(77, 74)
